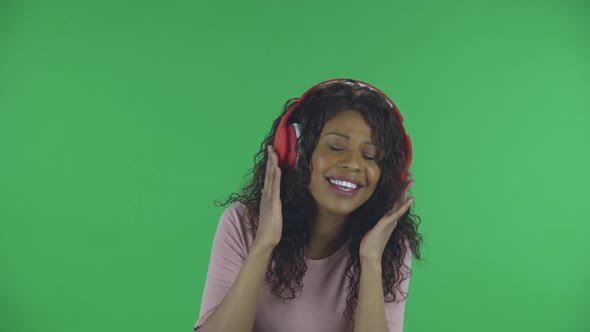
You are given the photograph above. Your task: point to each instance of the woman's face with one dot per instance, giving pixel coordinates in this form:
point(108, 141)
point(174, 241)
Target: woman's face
point(344, 169)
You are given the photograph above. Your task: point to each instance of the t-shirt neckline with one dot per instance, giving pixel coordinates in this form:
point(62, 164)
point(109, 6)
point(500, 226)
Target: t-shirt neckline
point(339, 254)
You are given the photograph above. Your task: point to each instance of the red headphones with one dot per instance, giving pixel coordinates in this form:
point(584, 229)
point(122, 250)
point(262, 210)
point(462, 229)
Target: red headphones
point(286, 135)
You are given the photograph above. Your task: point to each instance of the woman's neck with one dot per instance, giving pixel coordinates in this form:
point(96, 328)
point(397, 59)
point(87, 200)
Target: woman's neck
point(326, 234)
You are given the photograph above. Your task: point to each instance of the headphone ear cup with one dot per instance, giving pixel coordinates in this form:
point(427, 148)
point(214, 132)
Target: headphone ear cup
point(280, 143)
point(285, 139)
point(291, 148)
point(284, 145)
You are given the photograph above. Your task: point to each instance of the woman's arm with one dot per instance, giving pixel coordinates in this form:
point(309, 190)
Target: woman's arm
point(237, 310)
point(371, 310)
point(370, 313)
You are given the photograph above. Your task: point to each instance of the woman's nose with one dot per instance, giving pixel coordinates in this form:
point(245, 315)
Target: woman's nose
point(351, 160)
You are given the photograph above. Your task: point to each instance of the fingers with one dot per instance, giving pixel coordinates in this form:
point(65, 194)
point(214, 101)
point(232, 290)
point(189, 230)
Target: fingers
point(271, 184)
point(400, 207)
point(277, 177)
point(408, 187)
point(272, 179)
point(269, 169)
point(408, 201)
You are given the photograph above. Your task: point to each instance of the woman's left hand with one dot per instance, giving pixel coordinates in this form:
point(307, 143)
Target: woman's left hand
point(373, 243)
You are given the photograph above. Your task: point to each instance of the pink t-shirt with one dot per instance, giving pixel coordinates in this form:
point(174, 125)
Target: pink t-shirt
point(320, 306)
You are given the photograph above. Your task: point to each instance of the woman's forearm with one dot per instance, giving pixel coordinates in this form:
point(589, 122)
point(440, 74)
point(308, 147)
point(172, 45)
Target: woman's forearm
point(370, 311)
point(237, 310)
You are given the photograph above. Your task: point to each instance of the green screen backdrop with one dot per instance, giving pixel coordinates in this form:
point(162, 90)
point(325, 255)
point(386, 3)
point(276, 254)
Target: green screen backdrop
point(122, 121)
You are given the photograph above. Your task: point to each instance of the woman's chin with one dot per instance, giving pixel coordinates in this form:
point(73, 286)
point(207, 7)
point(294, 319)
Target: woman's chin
point(339, 211)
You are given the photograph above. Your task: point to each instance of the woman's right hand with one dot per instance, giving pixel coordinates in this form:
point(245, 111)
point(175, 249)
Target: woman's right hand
point(270, 221)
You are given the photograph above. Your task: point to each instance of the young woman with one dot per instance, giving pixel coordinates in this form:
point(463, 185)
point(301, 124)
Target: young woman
point(322, 237)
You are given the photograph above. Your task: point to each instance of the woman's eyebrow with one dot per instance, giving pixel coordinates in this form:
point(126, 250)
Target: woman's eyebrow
point(347, 137)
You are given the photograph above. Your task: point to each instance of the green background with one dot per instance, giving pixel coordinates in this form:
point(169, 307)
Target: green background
point(121, 122)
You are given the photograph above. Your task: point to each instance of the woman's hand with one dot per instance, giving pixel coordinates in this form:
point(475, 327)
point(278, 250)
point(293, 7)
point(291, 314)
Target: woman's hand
point(270, 221)
point(373, 243)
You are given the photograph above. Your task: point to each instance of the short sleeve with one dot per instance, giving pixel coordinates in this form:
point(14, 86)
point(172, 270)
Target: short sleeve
point(394, 311)
point(228, 253)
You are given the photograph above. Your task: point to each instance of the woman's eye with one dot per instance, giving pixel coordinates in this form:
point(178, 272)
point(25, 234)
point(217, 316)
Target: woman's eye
point(333, 148)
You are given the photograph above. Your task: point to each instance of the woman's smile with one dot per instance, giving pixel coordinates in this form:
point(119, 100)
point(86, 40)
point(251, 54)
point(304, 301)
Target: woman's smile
point(344, 169)
point(345, 190)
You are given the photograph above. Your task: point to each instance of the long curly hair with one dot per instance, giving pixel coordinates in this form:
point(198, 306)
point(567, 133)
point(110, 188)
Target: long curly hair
point(287, 266)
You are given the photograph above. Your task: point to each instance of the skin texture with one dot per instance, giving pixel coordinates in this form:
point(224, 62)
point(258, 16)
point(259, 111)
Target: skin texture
point(345, 148)
point(353, 156)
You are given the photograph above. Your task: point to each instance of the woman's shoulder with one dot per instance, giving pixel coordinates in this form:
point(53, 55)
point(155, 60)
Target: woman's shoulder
point(234, 221)
point(236, 211)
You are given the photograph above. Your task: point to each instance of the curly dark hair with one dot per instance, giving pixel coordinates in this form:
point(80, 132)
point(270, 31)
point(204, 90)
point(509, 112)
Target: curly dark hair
point(298, 204)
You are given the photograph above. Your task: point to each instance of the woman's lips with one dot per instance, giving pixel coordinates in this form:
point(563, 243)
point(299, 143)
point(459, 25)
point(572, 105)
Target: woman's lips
point(342, 192)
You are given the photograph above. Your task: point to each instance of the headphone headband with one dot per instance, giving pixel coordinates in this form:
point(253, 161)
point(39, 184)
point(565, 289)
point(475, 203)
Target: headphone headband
point(285, 138)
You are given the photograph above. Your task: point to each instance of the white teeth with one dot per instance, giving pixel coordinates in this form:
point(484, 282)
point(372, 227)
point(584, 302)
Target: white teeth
point(344, 184)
